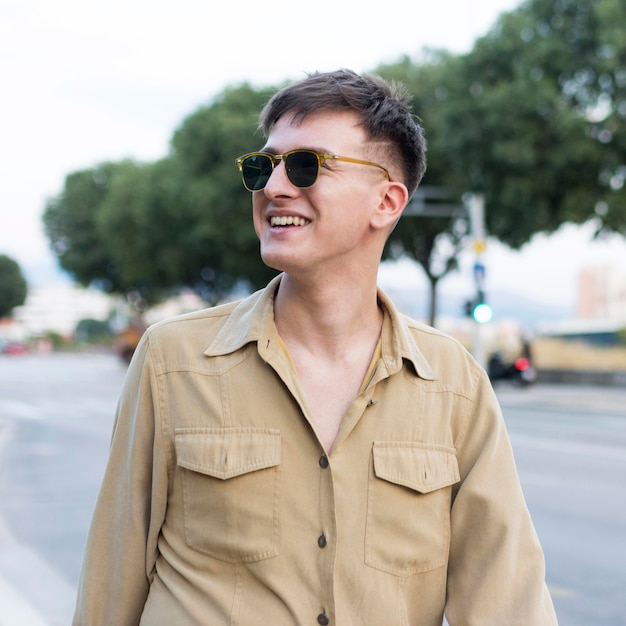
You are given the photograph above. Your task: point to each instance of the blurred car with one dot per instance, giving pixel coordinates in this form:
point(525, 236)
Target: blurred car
point(13, 347)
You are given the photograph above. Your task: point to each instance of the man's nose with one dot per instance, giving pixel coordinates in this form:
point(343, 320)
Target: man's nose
point(278, 182)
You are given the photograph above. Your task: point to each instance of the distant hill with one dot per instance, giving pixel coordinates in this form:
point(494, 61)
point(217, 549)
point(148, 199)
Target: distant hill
point(506, 305)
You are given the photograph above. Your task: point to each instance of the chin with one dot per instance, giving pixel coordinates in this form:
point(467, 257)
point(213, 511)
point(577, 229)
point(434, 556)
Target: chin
point(275, 261)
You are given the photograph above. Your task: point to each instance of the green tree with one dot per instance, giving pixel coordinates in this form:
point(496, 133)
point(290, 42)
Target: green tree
point(142, 223)
point(534, 117)
point(70, 223)
point(206, 145)
point(89, 330)
point(148, 229)
point(13, 286)
point(185, 220)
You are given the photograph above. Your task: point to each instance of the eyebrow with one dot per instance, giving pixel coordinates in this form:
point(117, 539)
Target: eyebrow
point(271, 150)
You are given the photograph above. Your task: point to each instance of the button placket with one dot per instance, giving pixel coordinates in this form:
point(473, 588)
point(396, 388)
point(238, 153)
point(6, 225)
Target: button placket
point(324, 543)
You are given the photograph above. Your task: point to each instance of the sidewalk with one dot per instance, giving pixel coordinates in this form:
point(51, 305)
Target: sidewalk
point(28, 582)
point(14, 611)
point(577, 396)
point(23, 573)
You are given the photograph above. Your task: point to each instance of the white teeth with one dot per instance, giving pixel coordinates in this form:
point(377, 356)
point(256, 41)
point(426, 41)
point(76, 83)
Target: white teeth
point(289, 220)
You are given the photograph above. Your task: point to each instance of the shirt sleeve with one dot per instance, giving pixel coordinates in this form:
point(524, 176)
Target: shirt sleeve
point(496, 572)
point(121, 549)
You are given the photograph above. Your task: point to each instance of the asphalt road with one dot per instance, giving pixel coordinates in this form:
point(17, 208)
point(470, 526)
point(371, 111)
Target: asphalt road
point(570, 448)
point(56, 415)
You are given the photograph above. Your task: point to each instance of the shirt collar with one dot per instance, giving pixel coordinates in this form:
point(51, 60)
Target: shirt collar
point(252, 320)
point(399, 341)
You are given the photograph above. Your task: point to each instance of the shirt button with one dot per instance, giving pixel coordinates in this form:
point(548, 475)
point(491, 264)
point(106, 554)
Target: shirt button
point(323, 461)
point(322, 619)
point(321, 541)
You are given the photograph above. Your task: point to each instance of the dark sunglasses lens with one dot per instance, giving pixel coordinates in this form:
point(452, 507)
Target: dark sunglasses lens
point(256, 171)
point(302, 168)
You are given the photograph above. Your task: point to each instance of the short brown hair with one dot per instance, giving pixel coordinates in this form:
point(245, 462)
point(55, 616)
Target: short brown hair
point(382, 106)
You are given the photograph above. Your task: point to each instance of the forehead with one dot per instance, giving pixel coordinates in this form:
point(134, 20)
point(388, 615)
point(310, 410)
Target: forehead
point(330, 130)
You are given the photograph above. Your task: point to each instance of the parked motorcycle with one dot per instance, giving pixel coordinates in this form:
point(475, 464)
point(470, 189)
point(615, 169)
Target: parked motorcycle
point(519, 372)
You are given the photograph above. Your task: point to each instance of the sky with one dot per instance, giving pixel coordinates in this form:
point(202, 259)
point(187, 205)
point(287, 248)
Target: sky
point(86, 81)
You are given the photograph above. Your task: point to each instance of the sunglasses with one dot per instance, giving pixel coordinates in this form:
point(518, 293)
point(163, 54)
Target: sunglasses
point(302, 167)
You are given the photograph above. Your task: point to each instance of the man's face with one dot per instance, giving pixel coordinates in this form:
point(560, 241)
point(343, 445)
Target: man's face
point(324, 227)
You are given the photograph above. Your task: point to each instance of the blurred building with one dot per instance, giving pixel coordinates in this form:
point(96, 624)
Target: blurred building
point(58, 308)
point(602, 293)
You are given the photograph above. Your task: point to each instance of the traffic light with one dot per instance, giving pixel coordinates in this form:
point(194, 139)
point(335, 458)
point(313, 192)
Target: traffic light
point(478, 309)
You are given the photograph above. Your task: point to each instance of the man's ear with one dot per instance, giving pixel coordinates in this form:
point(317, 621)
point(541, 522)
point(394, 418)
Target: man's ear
point(394, 197)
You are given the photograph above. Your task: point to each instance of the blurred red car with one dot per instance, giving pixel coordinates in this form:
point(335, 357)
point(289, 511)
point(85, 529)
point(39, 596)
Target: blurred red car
point(13, 347)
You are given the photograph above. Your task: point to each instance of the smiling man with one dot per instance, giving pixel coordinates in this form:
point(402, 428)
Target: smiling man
point(309, 455)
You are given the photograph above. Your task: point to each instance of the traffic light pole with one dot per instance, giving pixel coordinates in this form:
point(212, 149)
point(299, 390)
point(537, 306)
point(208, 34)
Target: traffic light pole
point(481, 313)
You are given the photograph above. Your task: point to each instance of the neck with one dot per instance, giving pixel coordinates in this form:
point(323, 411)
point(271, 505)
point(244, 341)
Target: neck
point(328, 316)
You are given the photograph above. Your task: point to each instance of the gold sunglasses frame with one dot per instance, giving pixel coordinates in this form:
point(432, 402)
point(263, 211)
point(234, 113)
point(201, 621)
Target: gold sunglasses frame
point(322, 157)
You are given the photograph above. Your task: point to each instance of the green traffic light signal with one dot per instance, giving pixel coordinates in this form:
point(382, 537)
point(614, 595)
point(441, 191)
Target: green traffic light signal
point(478, 309)
point(482, 313)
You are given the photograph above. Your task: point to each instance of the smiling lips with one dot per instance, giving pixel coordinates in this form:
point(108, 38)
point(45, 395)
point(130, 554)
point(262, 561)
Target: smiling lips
point(288, 220)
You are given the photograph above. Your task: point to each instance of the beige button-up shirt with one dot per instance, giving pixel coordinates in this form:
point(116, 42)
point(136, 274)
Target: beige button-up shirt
point(220, 507)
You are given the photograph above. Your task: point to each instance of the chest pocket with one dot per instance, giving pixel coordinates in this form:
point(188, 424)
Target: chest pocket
point(230, 491)
point(408, 512)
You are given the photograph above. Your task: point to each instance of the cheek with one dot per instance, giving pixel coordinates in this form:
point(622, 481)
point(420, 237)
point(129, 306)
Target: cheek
point(256, 213)
point(353, 204)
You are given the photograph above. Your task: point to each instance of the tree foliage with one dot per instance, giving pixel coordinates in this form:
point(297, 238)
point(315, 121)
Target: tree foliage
point(70, 222)
point(206, 146)
point(146, 229)
point(13, 286)
point(535, 118)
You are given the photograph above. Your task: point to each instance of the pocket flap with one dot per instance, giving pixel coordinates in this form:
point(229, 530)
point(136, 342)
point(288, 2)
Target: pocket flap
point(227, 452)
point(415, 465)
